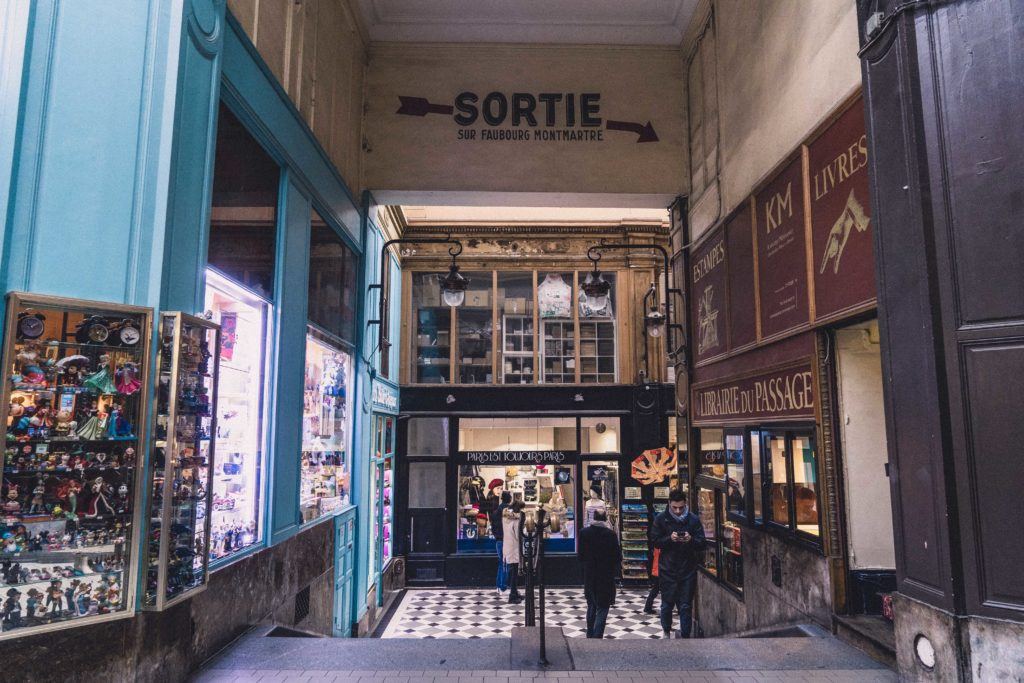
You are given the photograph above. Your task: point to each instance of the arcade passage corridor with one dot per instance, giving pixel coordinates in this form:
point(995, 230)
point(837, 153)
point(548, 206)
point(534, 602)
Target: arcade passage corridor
point(501, 340)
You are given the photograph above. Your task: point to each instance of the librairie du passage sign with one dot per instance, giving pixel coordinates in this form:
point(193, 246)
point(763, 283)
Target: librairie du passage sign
point(528, 117)
point(786, 392)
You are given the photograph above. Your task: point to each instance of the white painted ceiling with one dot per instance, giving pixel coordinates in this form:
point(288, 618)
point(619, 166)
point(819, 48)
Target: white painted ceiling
point(602, 22)
point(531, 215)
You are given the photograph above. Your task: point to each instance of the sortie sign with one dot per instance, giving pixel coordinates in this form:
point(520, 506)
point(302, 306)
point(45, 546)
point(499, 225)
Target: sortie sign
point(782, 393)
point(527, 117)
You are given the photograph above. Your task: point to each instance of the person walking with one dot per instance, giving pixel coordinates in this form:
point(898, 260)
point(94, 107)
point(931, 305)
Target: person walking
point(494, 516)
point(655, 585)
point(510, 549)
point(679, 535)
point(601, 556)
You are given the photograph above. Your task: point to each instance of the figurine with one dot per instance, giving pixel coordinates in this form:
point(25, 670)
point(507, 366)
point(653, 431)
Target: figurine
point(64, 427)
point(12, 507)
point(122, 499)
point(118, 426)
point(72, 370)
point(16, 410)
point(54, 596)
point(100, 381)
point(82, 599)
point(99, 501)
point(37, 497)
point(127, 378)
point(12, 608)
point(34, 599)
point(95, 426)
point(69, 594)
point(68, 490)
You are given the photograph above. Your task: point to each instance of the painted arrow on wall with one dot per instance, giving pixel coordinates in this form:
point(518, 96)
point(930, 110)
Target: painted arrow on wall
point(421, 106)
point(645, 133)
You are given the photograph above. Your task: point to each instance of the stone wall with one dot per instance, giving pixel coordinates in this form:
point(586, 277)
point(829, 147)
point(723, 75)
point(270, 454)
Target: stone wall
point(166, 646)
point(805, 594)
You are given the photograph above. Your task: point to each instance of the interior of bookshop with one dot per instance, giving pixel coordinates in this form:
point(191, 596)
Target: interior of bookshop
point(514, 327)
point(572, 468)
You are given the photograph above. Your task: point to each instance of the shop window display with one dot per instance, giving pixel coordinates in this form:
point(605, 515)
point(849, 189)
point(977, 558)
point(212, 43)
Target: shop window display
point(780, 491)
point(706, 509)
point(598, 357)
point(381, 509)
point(805, 485)
point(475, 324)
point(558, 334)
point(599, 435)
point(602, 492)
point(238, 477)
point(183, 457)
point(333, 271)
point(432, 343)
point(756, 478)
point(75, 401)
point(515, 310)
point(326, 428)
point(736, 480)
point(729, 537)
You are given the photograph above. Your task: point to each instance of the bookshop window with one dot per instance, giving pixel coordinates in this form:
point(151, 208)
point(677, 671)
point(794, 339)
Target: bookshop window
point(805, 485)
point(791, 467)
point(779, 490)
point(558, 332)
point(712, 453)
point(432, 339)
point(333, 269)
point(476, 327)
point(729, 537)
point(597, 337)
point(599, 435)
point(756, 478)
point(515, 311)
point(706, 509)
point(736, 474)
point(243, 215)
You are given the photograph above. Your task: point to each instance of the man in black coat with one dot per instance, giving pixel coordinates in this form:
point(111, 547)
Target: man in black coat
point(601, 557)
point(679, 535)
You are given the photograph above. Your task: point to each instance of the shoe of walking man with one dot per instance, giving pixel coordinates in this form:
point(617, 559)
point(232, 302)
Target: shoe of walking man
point(679, 535)
point(601, 557)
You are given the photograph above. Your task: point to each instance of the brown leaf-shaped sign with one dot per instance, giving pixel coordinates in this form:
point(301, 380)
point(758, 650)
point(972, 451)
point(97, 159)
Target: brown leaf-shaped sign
point(654, 466)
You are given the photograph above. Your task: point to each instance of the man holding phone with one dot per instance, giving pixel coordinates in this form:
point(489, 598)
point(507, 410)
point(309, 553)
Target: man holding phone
point(679, 535)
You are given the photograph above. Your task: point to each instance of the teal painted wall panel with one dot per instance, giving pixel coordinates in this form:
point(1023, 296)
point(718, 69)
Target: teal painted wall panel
point(289, 361)
point(91, 147)
point(195, 125)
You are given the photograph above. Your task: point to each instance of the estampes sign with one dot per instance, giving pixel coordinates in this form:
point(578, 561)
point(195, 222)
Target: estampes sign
point(782, 393)
point(517, 457)
point(527, 117)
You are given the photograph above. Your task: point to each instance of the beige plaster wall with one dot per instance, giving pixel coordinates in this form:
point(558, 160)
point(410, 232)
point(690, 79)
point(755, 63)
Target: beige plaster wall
point(783, 66)
point(423, 154)
point(317, 53)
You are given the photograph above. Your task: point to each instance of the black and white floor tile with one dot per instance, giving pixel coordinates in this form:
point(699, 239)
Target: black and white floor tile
point(480, 613)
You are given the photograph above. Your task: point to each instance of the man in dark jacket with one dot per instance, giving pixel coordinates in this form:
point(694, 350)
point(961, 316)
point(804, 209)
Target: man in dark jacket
point(679, 535)
point(601, 557)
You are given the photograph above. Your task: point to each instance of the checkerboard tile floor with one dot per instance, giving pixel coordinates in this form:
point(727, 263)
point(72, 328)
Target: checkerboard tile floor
point(480, 613)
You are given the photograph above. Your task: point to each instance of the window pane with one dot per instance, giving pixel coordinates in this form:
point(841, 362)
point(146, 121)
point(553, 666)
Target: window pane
point(778, 494)
point(730, 545)
point(428, 436)
point(755, 474)
point(476, 326)
point(326, 429)
point(603, 494)
point(599, 435)
point(706, 510)
point(805, 485)
point(238, 473)
point(712, 453)
point(558, 348)
point(243, 217)
point(333, 269)
point(432, 343)
point(736, 493)
point(597, 336)
point(517, 434)
point(515, 310)
point(426, 485)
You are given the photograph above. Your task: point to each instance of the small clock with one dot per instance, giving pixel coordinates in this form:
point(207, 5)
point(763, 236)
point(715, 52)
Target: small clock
point(30, 325)
point(128, 334)
point(93, 330)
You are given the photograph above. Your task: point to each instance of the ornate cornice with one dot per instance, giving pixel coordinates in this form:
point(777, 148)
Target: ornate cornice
point(538, 230)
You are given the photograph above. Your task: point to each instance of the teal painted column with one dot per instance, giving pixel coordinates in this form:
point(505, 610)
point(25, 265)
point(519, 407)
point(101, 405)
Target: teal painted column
point(292, 288)
point(90, 160)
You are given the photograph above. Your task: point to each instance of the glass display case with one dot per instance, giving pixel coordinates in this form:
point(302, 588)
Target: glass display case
point(475, 325)
point(598, 358)
point(183, 457)
point(381, 508)
point(74, 407)
point(517, 352)
point(238, 476)
point(433, 341)
point(326, 427)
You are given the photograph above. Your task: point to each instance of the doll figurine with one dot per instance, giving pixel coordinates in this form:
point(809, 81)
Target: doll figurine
point(68, 490)
point(100, 501)
point(35, 599)
point(101, 381)
point(118, 426)
point(69, 595)
point(54, 597)
point(36, 505)
point(127, 378)
point(82, 599)
point(12, 507)
point(16, 410)
point(71, 370)
point(12, 608)
point(95, 426)
point(64, 427)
